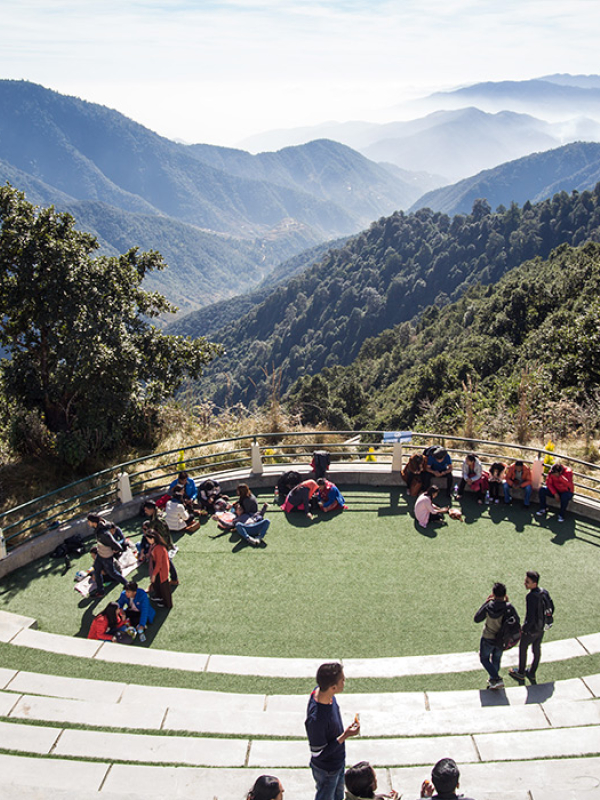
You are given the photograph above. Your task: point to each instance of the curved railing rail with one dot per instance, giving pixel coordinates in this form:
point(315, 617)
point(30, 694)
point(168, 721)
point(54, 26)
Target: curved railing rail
point(149, 474)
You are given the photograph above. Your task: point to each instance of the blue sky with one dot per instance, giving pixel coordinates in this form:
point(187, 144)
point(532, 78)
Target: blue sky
point(219, 71)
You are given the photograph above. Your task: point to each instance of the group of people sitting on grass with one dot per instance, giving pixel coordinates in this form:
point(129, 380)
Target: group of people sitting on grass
point(435, 462)
point(361, 784)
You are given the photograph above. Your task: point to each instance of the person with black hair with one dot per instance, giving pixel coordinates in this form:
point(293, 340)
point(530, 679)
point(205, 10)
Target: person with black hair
point(361, 783)
point(326, 733)
point(108, 623)
point(490, 653)
point(438, 464)
point(267, 787)
point(532, 631)
point(444, 781)
point(107, 550)
point(426, 510)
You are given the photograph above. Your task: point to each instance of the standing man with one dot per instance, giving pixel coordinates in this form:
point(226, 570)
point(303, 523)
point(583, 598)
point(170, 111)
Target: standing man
point(533, 628)
point(490, 651)
point(108, 550)
point(326, 733)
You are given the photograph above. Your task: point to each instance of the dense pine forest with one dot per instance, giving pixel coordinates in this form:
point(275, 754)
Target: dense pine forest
point(387, 275)
point(517, 359)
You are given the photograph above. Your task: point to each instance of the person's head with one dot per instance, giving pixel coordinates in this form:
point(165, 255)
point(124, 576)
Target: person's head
point(321, 482)
point(499, 590)
point(111, 613)
point(243, 490)
point(154, 537)
point(131, 589)
point(445, 775)
point(182, 478)
point(471, 458)
point(94, 520)
point(440, 454)
point(532, 578)
point(519, 464)
point(432, 491)
point(177, 496)
point(267, 787)
point(361, 780)
point(556, 469)
point(331, 675)
point(149, 508)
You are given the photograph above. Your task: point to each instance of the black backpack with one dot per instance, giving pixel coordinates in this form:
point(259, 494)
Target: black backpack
point(510, 631)
point(548, 607)
point(320, 463)
point(287, 482)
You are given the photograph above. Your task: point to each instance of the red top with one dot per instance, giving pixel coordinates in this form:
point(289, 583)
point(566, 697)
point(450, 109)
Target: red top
point(557, 482)
point(98, 629)
point(160, 559)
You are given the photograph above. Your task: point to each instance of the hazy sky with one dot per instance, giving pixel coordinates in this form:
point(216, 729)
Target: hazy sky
point(219, 71)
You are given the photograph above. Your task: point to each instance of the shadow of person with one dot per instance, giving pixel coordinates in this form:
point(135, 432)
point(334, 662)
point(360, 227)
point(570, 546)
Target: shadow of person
point(493, 697)
point(563, 531)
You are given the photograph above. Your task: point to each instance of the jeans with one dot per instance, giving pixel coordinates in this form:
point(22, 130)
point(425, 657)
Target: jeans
point(490, 656)
point(329, 785)
point(565, 498)
point(526, 498)
point(255, 529)
point(108, 565)
point(535, 640)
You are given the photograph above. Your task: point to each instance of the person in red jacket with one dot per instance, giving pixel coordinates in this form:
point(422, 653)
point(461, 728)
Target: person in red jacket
point(106, 624)
point(559, 483)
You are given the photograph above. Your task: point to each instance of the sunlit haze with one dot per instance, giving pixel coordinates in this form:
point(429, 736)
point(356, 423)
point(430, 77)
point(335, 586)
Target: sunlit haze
point(218, 72)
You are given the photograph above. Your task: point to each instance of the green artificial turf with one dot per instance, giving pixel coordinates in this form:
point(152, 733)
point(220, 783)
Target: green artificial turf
point(363, 584)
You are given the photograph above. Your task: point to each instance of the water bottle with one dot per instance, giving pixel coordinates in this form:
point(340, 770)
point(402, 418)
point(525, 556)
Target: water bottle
point(142, 637)
point(487, 498)
point(456, 490)
point(276, 495)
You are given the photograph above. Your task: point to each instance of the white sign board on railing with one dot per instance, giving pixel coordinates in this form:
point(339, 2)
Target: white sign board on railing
point(391, 437)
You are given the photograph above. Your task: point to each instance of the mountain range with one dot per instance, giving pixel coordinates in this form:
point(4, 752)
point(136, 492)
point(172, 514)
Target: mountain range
point(200, 206)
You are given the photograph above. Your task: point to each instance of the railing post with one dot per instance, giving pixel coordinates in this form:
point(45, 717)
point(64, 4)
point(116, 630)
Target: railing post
point(2, 545)
point(124, 491)
point(257, 465)
point(397, 457)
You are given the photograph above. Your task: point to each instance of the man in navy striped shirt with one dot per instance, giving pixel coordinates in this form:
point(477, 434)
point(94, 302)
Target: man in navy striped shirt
point(326, 733)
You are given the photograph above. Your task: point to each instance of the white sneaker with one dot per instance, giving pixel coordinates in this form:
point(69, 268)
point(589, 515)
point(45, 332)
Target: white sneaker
point(561, 519)
point(541, 512)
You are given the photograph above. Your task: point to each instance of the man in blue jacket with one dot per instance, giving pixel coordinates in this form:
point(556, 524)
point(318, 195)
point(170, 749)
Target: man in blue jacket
point(139, 609)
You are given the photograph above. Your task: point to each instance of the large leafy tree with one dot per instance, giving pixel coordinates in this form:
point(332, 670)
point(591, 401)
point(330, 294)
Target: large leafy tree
point(83, 352)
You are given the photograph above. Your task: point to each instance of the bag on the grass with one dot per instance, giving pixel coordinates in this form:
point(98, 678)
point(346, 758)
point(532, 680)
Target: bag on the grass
point(510, 631)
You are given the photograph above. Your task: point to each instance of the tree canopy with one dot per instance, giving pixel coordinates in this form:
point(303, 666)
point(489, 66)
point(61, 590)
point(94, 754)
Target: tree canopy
point(83, 355)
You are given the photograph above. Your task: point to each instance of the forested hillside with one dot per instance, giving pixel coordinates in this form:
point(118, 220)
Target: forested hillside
point(534, 177)
point(382, 277)
point(522, 356)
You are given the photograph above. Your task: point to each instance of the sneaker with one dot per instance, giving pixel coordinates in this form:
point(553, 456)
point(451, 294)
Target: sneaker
point(530, 677)
point(253, 541)
point(497, 500)
point(310, 516)
point(541, 512)
point(561, 518)
point(517, 676)
point(499, 684)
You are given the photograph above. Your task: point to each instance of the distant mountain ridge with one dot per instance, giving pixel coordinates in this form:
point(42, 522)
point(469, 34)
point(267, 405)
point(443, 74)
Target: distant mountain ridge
point(534, 178)
point(95, 162)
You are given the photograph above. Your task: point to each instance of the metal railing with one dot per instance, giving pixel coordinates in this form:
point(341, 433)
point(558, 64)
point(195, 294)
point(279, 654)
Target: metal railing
point(149, 474)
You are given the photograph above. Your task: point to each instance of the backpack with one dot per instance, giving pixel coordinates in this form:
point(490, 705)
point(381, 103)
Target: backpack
point(72, 545)
point(548, 607)
point(320, 463)
point(510, 631)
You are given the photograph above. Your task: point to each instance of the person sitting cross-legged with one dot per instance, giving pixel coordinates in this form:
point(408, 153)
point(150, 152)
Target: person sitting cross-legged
point(518, 476)
point(137, 603)
point(425, 509)
point(329, 496)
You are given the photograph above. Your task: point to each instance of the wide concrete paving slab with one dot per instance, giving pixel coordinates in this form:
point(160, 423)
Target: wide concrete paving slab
point(154, 749)
point(148, 657)
point(50, 773)
point(7, 703)
point(69, 688)
point(6, 676)
point(76, 712)
point(244, 723)
point(27, 738)
point(215, 702)
point(561, 779)
point(591, 642)
point(55, 643)
point(539, 744)
point(266, 667)
point(573, 689)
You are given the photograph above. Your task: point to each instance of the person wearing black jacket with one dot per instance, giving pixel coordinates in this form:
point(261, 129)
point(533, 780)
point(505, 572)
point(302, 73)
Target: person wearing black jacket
point(490, 652)
point(107, 547)
point(532, 630)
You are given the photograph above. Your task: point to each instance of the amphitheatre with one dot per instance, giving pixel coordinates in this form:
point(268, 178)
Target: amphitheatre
point(216, 695)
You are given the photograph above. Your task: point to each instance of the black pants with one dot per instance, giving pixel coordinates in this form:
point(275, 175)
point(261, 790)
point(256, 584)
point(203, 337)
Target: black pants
point(427, 476)
point(535, 640)
point(111, 569)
